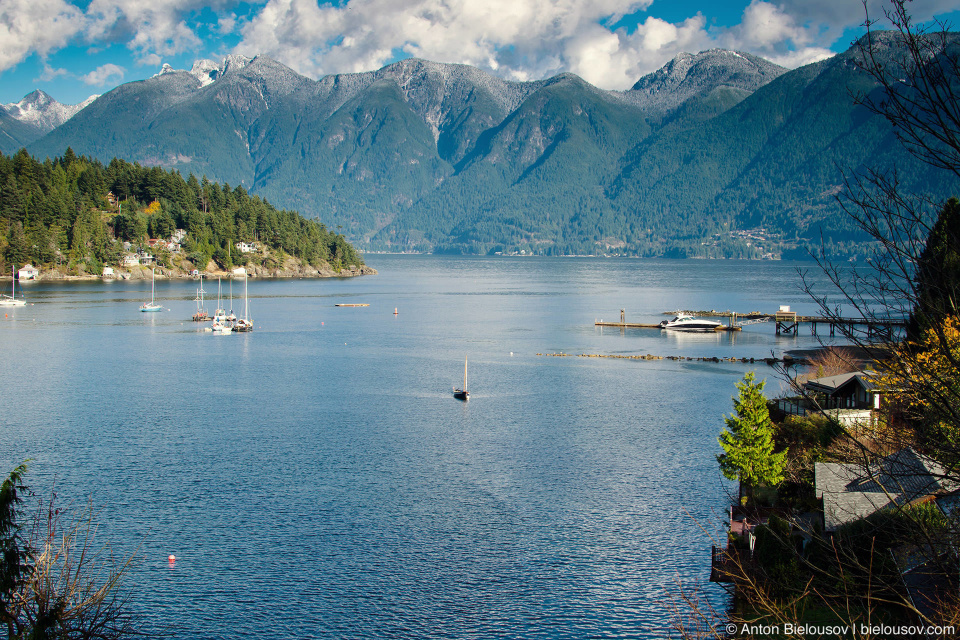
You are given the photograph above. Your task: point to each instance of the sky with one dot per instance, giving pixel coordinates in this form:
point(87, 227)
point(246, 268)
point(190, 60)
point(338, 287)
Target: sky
point(72, 49)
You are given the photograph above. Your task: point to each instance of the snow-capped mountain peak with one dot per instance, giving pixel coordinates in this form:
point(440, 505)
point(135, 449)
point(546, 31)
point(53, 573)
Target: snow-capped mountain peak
point(42, 111)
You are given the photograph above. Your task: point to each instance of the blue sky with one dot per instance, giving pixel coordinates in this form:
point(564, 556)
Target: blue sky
point(74, 48)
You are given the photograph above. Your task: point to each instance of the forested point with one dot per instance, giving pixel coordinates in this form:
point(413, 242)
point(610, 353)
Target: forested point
point(76, 215)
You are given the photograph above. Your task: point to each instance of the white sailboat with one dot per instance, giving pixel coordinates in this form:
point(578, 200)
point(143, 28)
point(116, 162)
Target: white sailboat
point(245, 323)
point(152, 305)
point(12, 300)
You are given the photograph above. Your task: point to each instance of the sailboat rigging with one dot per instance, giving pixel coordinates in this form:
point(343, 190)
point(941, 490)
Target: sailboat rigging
point(245, 323)
point(152, 305)
point(11, 300)
point(201, 315)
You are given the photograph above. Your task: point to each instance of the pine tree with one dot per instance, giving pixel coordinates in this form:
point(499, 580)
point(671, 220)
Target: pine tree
point(748, 440)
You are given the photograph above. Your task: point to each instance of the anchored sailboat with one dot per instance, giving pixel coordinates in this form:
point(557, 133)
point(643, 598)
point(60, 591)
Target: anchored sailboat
point(11, 300)
point(152, 305)
point(245, 323)
point(463, 394)
point(201, 315)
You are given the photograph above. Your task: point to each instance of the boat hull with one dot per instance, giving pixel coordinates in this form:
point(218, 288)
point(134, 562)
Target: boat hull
point(461, 395)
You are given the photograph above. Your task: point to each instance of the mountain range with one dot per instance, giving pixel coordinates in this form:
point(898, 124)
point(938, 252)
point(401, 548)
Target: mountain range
point(719, 154)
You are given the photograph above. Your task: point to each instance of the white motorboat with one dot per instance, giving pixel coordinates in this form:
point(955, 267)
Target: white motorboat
point(690, 323)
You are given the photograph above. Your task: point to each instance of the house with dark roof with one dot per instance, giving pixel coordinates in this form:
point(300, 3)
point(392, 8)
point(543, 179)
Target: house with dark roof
point(853, 390)
point(851, 492)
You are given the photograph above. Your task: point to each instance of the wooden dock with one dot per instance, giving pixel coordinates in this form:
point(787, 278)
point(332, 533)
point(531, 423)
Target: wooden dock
point(623, 324)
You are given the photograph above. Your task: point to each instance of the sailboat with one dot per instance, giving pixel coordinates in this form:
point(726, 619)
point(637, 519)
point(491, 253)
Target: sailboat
point(11, 300)
point(463, 394)
point(222, 323)
point(201, 315)
point(245, 323)
point(152, 305)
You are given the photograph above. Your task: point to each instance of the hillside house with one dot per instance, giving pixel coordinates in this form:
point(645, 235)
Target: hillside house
point(854, 390)
point(244, 247)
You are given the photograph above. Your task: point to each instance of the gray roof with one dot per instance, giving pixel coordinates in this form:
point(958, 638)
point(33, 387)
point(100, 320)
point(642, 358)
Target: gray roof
point(851, 491)
point(831, 384)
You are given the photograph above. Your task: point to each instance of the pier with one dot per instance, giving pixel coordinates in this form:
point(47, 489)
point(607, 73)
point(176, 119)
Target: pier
point(623, 324)
point(787, 322)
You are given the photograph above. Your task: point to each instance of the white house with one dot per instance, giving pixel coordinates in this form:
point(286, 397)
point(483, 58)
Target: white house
point(244, 247)
point(28, 272)
point(108, 272)
point(239, 271)
point(130, 260)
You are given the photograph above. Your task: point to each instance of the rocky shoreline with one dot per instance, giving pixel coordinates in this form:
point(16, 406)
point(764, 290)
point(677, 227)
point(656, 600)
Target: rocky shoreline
point(167, 273)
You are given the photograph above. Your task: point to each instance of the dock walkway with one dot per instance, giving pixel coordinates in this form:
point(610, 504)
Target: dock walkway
point(787, 322)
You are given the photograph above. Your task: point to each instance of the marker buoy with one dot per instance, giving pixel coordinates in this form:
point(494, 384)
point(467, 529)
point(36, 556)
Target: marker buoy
point(394, 311)
point(171, 558)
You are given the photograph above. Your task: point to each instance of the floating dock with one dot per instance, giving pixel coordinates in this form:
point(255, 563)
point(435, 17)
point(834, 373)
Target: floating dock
point(352, 304)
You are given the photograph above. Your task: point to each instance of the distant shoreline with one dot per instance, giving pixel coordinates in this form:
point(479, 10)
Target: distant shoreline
point(164, 273)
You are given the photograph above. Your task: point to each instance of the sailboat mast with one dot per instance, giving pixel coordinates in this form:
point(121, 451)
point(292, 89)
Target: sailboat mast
point(464, 373)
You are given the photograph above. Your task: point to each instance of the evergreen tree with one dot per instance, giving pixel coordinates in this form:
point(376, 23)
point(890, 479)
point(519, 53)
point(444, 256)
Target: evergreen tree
point(938, 273)
point(748, 440)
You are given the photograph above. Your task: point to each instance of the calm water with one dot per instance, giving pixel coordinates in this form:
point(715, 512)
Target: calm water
point(315, 478)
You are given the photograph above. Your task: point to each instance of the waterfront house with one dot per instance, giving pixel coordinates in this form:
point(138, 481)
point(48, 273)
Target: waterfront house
point(129, 260)
point(28, 272)
point(853, 390)
point(108, 272)
point(853, 491)
point(852, 399)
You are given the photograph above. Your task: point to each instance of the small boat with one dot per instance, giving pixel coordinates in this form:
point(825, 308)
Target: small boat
point(463, 394)
point(152, 305)
point(685, 322)
point(12, 300)
point(221, 328)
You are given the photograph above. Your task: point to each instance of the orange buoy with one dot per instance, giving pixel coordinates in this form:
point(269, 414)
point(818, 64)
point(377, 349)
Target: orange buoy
point(172, 558)
point(394, 311)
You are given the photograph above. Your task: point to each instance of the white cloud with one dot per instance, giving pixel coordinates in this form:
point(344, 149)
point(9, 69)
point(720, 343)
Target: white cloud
point(104, 74)
point(148, 27)
point(49, 73)
point(35, 26)
point(765, 26)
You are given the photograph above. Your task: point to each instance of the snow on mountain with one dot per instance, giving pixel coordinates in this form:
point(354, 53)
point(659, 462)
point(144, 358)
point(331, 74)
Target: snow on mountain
point(43, 112)
point(692, 75)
